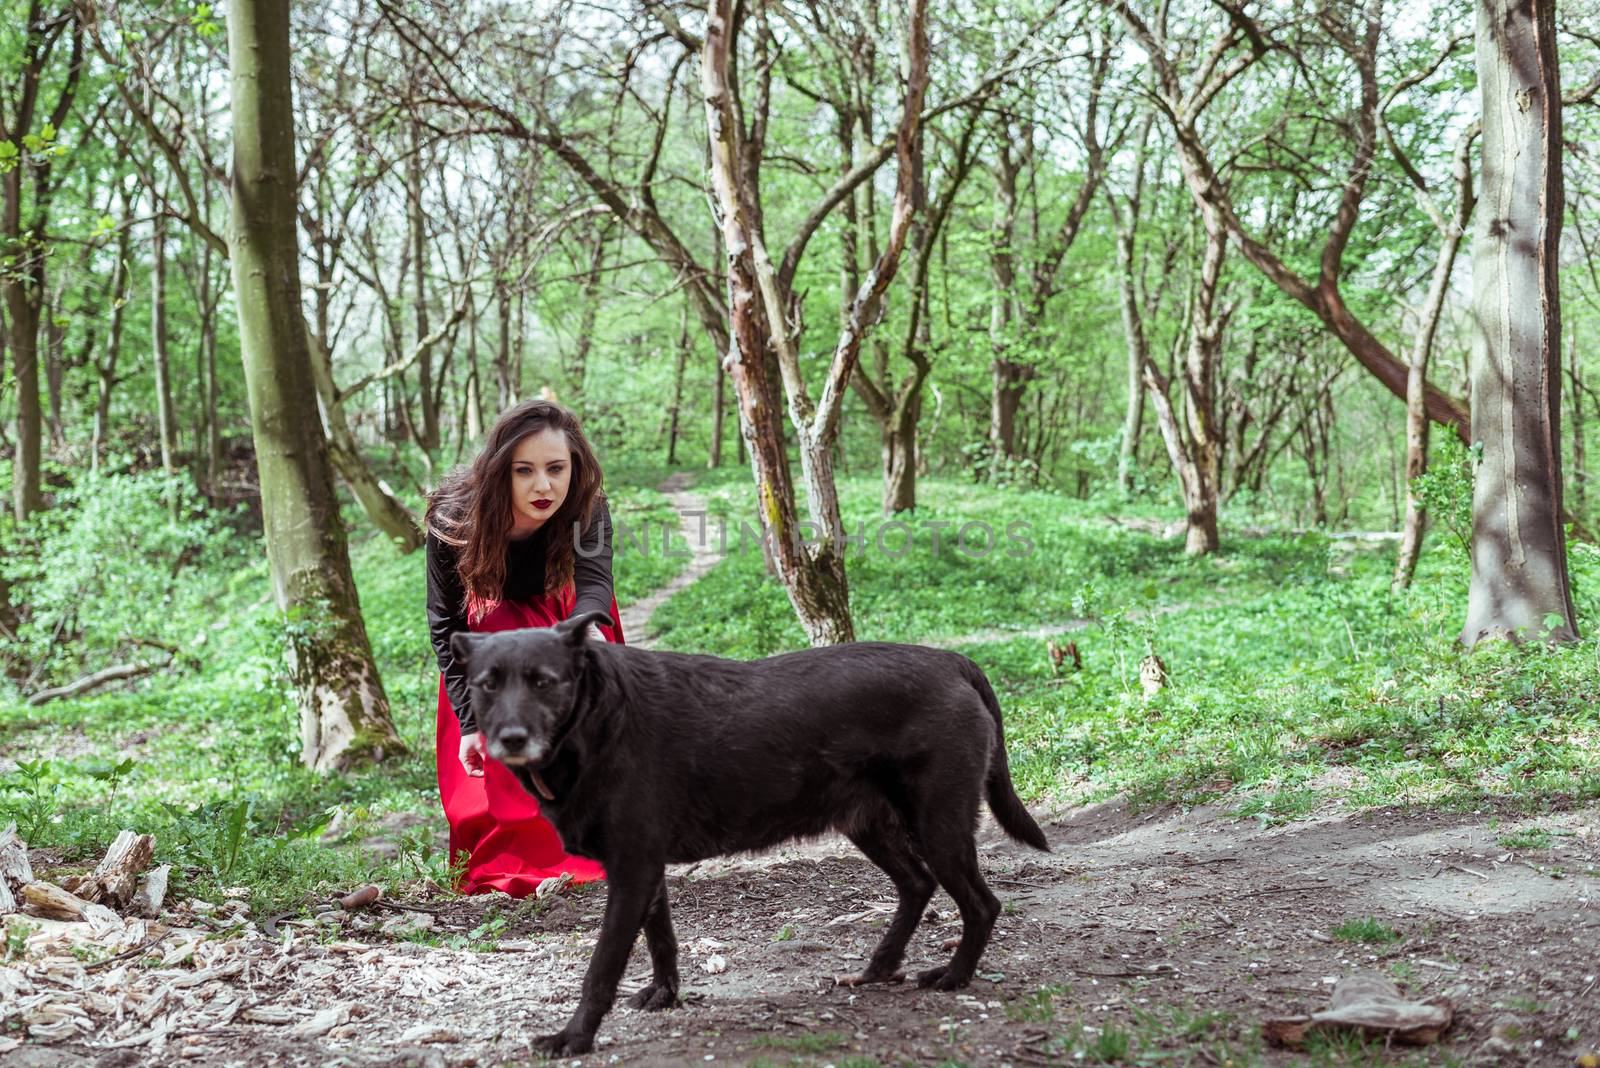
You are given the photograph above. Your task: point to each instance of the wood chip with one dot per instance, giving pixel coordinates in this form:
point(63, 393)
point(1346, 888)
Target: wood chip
point(152, 892)
point(270, 1014)
point(429, 1033)
point(323, 1022)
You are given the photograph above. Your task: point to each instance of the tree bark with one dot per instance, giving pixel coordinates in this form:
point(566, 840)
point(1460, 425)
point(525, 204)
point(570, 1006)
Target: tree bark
point(428, 432)
point(718, 408)
point(589, 299)
point(344, 713)
point(1519, 586)
point(106, 366)
point(166, 420)
point(1005, 391)
point(677, 386)
point(506, 382)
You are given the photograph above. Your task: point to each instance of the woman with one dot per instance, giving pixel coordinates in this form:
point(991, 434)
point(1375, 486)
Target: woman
point(503, 555)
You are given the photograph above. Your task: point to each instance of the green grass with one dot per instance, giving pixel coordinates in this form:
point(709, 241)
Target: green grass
point(209, 760)
point(1527, 838)
point(1367, 930)
point(819, 1042)
point(1296, 677)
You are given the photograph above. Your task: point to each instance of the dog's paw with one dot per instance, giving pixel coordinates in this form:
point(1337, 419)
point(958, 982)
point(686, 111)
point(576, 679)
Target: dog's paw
point(942, 979)
point(655, 998)
point(562, 1044)
point(868, 977)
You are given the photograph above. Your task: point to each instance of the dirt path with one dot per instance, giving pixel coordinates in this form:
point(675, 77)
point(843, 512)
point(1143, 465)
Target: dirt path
point(1176, 933)
point(704, 556)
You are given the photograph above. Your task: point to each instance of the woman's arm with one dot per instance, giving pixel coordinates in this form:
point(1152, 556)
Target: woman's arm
point(447, 614)
point(591, 567)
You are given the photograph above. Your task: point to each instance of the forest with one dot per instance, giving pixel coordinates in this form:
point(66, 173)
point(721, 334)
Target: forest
point(1214, 373)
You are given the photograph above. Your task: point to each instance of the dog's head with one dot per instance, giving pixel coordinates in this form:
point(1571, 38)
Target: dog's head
point(523, 684)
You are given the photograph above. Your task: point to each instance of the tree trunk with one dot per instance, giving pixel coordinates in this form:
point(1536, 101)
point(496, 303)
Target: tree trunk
point(166, 420)
point(22, 295)
point(1132, 423)
point(210, 296)
point(54, 370)
point(472, 425)
point(505, 383)
point(1200, 395)
point(344, 713)
point(208, 346)
point(427, 435)
point(106, 367)
point(1519, 586)
point(900, 487)
point(677, 386)
point(1580, 474)
point(589, 298)
point(718, 408)
point(1417, 422)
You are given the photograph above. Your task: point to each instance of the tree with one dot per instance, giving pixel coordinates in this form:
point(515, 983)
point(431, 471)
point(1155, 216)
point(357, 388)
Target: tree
point(1519, 584)
point(812, 570)
point(26, 187)
point(1452, 230)
point(1239, 48)
point(344, 713)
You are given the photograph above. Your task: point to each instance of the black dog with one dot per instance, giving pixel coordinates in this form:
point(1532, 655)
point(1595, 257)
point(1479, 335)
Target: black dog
point(641, 759)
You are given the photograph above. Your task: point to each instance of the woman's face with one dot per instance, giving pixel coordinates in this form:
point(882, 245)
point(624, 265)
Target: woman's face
point(541, 472)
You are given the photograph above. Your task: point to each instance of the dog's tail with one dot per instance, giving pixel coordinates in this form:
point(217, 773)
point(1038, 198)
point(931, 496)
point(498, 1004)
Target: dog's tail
point(1007, 807)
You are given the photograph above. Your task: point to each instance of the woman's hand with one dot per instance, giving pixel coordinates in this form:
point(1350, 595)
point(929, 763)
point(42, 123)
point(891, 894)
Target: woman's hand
point(595, 633)
point(472, 754)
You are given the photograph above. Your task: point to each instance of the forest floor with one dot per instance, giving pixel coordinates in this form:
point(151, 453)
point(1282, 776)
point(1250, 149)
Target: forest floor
point(1162, 936)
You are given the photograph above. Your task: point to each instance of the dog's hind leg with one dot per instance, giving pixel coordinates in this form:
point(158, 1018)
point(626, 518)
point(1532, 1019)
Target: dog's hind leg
point(662, 993)
point(885, 844)
point(953, 856)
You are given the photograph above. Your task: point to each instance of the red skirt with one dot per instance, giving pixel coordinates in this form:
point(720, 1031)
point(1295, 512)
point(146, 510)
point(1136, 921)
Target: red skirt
point(493, 821)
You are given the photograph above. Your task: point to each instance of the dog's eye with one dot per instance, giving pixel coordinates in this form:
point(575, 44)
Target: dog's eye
point(541, 682)
point(489, 682)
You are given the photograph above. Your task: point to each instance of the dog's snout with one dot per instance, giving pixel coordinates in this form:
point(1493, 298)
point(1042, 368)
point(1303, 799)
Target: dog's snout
point(513, 739)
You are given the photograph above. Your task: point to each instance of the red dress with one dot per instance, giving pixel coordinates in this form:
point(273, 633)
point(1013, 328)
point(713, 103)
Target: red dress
point(492, 819)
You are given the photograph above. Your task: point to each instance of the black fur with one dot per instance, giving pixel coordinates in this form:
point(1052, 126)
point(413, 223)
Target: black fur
point(657, 758)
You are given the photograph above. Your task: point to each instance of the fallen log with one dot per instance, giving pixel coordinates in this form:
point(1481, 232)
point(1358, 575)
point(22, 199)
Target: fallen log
point(90, 682)
point(55, 903)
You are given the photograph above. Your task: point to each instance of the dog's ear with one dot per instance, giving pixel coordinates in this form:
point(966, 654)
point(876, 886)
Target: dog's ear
point(461, 643)
point(578, 626)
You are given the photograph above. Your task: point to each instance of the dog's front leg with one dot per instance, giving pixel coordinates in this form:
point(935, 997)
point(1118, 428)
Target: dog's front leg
point(662, 993)
point(628, 895)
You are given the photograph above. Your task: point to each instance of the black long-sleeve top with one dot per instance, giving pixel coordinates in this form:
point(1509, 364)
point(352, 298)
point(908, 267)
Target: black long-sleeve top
point(525, 580)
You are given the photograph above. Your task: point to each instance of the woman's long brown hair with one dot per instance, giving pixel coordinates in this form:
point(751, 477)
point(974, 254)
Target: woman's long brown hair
point(471, 509)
